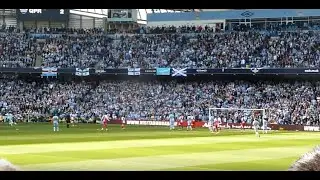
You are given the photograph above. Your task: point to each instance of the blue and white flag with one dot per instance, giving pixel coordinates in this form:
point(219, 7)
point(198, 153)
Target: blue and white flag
point(49, 72)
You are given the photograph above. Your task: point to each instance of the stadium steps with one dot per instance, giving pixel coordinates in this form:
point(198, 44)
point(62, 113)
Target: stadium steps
point(39, 61)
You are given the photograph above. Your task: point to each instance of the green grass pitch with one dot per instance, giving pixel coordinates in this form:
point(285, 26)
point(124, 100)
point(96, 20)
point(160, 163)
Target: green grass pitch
point(37, 147)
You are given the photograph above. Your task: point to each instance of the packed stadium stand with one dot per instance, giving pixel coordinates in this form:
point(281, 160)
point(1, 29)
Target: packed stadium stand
point(112, 42)
point(286, 102)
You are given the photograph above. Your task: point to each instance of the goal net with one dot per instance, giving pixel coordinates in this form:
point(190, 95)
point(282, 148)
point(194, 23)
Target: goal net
point(234, 116)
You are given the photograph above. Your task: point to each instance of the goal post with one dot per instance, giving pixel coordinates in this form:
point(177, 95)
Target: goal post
point(235, 115)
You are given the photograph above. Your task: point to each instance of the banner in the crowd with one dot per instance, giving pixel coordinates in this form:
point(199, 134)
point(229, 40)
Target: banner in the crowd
point(174, 72)
point(44, 36)
point(82, 72)
point(111, 71)
point(134, 71)
point(179, 72)
point(21, 70)
point(258, 71)
point(99, 71)
point(148, 71)
point(163, 71)
point(49, 72)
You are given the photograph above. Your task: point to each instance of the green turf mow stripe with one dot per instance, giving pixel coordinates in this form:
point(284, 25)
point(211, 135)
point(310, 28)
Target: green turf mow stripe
point(19, 135)
point(174, 161)
point(147, 148)
point(45, 128)
point(280, 164)
point(39, 133)
point(34, 129)
point(103, 145)
point(50, 157)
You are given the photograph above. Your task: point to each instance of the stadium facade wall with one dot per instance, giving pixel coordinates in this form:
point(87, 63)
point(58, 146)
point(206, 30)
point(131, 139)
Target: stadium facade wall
point(56, 24)
point(2, 21)
point(99, 23)
point(29, 24)
point(39, 24)
point(43, 24)
point(9, 21)
point(233, 14)
point(75, 21)
point(85, 22)
point(210, 23)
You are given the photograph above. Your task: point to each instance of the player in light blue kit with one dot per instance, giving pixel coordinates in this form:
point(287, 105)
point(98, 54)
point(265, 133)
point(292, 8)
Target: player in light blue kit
point(171, 120)
point(9, 118)
point(210, 124)
point(55, 119)
point(255, 125)
point(189, 122)
point(265, 126)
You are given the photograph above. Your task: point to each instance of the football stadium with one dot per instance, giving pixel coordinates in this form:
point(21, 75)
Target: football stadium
point(159, 89)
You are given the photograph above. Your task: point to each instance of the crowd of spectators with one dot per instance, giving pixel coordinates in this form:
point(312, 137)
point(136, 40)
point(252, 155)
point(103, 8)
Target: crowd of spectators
point(192, 47)
point(183, 47)
point(285, 102)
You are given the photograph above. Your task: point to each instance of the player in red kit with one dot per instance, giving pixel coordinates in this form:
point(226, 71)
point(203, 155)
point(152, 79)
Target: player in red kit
point(217, 124)
point(123, 122)
point(180, 122)
point(242, 124)
point(193, 124)
point(104, 120)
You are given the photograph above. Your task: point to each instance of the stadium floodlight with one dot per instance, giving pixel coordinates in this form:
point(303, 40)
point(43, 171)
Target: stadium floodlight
point(247, 114)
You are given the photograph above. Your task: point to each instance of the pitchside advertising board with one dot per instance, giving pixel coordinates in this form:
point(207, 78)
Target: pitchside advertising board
point(196, 124)
point(311, 128)
point(43, 14)
point(200, 124)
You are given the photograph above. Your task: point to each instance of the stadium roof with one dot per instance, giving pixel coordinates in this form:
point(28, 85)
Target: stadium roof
point(98, 13)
